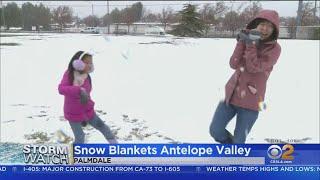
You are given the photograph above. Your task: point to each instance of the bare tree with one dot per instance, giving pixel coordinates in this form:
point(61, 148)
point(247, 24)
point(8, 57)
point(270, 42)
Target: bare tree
point(148, 16)
point(308, 17)
point(206, 14)
point(305, 17)
point(250, 12)
point(116, 17)
point(128, 17)
point(232, 19)
point(91, 21)
point(165, 16)
point(211, 13)
point(106, 20)
point(62, 15)
point(291, 23)
point(232, 22)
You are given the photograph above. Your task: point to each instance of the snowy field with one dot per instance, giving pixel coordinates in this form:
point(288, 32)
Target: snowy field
point(151, 89)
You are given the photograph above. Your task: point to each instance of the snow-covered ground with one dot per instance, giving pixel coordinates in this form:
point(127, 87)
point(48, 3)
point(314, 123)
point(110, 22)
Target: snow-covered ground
point(151, 89)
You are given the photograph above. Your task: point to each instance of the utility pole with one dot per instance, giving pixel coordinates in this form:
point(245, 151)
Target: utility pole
point(315, 10)
point(92, 23)
point(298, 20)
point(92, 10)
point(108, 16)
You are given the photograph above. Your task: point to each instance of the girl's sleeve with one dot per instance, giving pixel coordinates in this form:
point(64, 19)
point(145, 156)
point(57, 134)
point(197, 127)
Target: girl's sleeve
point(236, 58)
point(255, 64)
point(66, 89)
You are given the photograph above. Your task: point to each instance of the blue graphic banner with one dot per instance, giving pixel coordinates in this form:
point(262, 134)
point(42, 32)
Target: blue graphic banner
point(295, 161)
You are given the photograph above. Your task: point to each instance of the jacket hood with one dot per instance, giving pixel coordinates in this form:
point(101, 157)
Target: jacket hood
point(269, 15)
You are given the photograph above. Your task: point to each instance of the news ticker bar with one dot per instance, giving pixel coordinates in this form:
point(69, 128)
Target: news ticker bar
point(20, 169)
point(171, 160)
point(160, 154)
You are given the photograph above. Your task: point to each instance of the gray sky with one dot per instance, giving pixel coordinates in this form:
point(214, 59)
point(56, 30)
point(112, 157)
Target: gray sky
point(84, 8)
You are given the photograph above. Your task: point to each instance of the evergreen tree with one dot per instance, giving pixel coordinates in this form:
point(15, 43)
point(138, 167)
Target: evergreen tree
point(29, 16)
point(43, 16)
point(190, 23)
point(1, 17)
point(12, 15)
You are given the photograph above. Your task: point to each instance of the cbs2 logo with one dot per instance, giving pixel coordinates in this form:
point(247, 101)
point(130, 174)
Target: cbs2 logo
point(276, 152)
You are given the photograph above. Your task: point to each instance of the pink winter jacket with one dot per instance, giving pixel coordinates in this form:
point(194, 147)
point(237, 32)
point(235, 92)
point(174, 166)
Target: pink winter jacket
point(74, 111)
point(253, 65)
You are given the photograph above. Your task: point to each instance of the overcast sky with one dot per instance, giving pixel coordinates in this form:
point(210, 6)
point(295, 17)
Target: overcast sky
point(84, 8)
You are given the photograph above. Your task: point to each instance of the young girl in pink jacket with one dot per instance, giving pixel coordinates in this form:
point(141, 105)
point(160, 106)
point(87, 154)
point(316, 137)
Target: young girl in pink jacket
point(78, 108)
point(255, 54)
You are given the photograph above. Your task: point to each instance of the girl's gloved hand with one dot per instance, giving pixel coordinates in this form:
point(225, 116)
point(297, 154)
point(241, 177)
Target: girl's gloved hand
point(84, 97)
point(254, 36)
point(249, 36)
point(242, 35)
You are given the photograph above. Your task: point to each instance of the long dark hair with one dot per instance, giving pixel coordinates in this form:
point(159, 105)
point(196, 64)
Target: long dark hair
point(71, 68)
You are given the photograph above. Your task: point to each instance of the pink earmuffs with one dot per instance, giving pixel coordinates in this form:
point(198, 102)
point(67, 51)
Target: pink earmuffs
point(78, 64)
